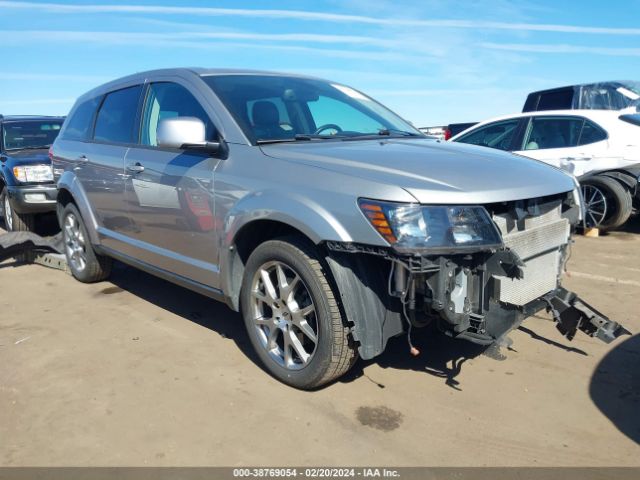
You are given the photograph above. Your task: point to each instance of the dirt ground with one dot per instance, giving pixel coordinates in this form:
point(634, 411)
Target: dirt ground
point(136, 371)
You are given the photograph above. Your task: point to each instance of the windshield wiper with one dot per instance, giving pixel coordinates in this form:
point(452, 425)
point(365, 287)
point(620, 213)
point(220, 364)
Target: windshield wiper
point(299, 137)
point(393, 131)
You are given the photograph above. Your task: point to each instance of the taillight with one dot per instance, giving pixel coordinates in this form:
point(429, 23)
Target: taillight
point(447, 134)
point(51, 153)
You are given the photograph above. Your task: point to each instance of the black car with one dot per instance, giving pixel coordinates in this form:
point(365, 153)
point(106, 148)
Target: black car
point(614, 95)
point(26, 177)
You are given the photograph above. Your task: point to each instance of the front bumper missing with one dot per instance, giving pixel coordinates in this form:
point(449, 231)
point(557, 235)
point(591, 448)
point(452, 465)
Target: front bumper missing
point(572, 314)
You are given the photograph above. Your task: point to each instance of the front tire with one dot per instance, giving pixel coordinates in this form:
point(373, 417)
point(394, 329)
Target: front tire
point(292, 316)
point(85, 264)
point(14, 221)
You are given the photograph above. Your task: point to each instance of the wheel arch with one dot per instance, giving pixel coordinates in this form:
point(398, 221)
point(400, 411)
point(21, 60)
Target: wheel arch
point(244, 242)
point(70, 191)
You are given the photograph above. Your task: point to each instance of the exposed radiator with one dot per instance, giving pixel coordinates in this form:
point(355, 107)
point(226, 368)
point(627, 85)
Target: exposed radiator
point(538, 245)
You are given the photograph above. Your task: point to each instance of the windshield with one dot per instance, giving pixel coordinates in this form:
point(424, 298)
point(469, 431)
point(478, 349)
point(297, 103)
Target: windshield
point(633, 86)
point(275, 108)
point(29, 134)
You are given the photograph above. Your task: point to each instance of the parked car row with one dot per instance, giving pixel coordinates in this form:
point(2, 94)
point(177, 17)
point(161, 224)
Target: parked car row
point(328, 221)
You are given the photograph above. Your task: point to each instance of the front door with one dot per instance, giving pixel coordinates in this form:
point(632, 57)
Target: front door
point(169, 192)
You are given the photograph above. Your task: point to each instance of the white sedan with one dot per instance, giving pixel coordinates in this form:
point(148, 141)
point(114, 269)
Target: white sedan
point(599, 147)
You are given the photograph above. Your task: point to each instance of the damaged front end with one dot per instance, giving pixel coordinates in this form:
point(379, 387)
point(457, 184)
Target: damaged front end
point(484, 284)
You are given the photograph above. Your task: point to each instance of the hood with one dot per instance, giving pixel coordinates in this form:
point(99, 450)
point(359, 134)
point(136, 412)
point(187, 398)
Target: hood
point(432, 171)
point(26, 157)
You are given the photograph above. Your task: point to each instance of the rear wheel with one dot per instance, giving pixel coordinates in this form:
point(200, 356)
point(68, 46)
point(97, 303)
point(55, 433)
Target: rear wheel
point(599, 190)
point(292, 316)
point(14, 221)
point(85, 264)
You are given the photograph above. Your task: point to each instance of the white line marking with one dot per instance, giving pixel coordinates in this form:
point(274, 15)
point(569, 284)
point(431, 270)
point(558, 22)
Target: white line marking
point(602, 278)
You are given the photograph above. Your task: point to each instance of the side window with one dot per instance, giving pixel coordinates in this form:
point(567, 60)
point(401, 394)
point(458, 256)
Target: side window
point(548, 132)
point(495, 135)
point(170, 100)
point(80, 123)
point(117, 116)
point(591, 133)
point(325, 110)
point(556, 100)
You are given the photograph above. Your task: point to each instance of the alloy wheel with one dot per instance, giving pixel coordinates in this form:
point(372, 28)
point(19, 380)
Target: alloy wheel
point(284, 315)
point(8, 214)
point(595, 205)
point(75, 243)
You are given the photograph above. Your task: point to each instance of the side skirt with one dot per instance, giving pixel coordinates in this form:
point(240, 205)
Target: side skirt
point(205, 290)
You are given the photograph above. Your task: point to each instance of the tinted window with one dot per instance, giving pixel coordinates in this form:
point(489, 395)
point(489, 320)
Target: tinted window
point(117, 116)
point(170, 100)
point(80, 123)
point(548, 132)
point(557, 100)
point(495, 135)
point(29, 134)
point(591, 133)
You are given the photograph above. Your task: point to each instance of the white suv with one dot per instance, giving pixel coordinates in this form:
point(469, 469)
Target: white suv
point(600, 147)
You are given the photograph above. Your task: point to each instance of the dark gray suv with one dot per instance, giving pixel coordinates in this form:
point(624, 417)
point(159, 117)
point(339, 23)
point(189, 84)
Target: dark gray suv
point(328, 221)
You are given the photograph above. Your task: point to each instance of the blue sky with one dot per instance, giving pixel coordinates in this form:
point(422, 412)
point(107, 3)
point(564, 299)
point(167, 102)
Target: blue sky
point(432, 61)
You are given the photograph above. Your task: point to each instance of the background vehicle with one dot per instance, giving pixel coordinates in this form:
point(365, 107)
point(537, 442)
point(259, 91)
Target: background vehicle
point(446, 132)
point(615, 95)
point(26, 178)
point(598, 147)
point(333, 226)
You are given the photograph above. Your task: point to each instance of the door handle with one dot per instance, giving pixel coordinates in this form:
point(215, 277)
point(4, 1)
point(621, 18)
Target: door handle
point(576, 158)
point(135, 167)
point(82, 159)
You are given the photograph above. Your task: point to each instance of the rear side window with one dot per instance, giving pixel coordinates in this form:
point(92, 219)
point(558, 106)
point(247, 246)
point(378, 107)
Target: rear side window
point(117, 116)
point(498, 135)
point(591, 133)
point(170, 100)
point(80, 123)
point(553, 132)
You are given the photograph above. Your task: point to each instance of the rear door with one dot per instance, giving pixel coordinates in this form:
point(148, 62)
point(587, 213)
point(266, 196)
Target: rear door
point(567, 142)
point(170, 191)
point(99, 163)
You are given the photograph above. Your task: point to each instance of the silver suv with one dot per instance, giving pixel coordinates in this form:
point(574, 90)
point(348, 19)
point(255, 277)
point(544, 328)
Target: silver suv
point(328, 221)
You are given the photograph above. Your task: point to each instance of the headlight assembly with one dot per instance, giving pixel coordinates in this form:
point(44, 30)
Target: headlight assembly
point(33, 173)
point(435, 229)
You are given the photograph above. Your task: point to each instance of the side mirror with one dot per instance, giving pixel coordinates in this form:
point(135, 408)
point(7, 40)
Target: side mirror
point(185, 133)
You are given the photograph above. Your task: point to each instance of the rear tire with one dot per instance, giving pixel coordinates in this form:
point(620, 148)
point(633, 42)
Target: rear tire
point(287, 301)
point(14, 221)
point(618, 198)
point(85, 264)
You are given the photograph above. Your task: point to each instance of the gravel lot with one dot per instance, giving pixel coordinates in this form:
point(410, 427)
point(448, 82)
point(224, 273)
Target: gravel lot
point(137, 371)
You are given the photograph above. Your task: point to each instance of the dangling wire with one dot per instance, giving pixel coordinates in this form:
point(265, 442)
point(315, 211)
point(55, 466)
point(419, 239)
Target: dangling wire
point(412, 349)
point(403, 299)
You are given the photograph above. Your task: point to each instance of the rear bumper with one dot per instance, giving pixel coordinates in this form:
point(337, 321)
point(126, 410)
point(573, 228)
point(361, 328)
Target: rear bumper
point(33, 198)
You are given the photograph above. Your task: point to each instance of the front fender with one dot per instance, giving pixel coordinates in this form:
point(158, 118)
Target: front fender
point(70, 183)
point(308, 217)
point(299, 212)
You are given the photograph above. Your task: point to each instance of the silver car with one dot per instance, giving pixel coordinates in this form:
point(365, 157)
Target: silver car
point(328, 221)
